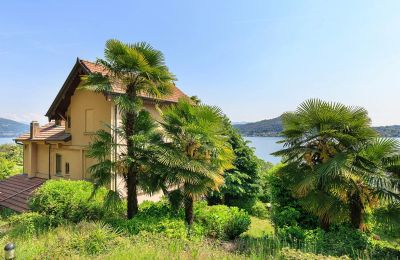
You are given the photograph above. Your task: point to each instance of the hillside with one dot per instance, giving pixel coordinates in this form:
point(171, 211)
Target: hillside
point(267, 127)
point(388, 131)
point(10, 128)
point(272, 127)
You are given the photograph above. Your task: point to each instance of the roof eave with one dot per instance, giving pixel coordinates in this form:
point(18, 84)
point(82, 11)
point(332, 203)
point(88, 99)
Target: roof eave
point(51, 113)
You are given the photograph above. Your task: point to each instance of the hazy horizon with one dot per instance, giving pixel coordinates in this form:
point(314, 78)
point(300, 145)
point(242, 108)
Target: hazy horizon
point(254, 59)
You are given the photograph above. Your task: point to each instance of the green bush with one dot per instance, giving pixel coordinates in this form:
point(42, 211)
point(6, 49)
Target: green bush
point(93, 238)
point(29, 223)
point(221, 221)
point(73, 242)
point(259, 210)
point(66, 200)
point(157, 218)
point(383, 250)
point(156, 209)
point(286, 216)
point(341, 240)
point(292, 234)
point(172, 228)
point(246, 203)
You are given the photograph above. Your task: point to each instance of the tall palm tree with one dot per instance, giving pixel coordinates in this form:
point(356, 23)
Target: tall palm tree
point(135, 69)
point(197, 151)
point(337, 164)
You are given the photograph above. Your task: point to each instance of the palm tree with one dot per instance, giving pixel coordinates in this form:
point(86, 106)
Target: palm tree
point(337, 164)
point(146, 140)
point(196, 152)
point(135, 69)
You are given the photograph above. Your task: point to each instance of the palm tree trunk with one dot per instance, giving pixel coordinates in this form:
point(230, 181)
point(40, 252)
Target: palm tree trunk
point(325, 225)
point(356, 212)
point(130, 118)
point(189, 210)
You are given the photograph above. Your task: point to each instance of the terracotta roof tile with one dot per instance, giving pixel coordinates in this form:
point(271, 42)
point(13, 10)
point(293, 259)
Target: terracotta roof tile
point(96, 68)
point(17, 190)
point(48, 132)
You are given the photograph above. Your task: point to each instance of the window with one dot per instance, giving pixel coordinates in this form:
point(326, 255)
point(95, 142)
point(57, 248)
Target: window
point(89, 120)
point(66, 168)
point(58, 165)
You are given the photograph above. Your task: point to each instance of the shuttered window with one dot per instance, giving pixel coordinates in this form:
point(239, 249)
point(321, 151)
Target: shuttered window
point(89, 121)
point(58, 165)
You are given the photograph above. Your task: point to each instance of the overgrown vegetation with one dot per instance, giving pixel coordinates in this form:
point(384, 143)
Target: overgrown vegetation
point(10, 160)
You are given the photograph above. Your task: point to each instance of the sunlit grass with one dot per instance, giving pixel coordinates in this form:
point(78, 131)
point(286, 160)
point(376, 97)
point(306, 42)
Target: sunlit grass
point(259, 228)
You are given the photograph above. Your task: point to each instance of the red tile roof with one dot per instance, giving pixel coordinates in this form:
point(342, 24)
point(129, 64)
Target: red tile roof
point(175, 95)
point(17, 190)
point(49, 132)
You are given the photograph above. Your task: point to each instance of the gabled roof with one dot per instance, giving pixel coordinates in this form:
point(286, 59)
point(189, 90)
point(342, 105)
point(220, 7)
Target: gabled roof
point(82, 67)
point(49, 132)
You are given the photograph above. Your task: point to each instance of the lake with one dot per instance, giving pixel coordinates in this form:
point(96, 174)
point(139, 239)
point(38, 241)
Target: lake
point(264, 146)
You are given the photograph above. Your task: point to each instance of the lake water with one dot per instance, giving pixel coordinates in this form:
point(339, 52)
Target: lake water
point(264, 146)
point(6, 140)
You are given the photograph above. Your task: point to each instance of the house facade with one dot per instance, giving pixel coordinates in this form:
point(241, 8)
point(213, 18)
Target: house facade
point(59, 148)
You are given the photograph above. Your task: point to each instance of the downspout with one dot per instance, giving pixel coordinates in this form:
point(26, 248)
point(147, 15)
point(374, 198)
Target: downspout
point(115, 146)
point(49, 158)
point(23, 155)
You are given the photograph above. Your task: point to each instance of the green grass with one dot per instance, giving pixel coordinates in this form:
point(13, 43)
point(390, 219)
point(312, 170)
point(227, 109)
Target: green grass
point(259, 228)
point(96, 240)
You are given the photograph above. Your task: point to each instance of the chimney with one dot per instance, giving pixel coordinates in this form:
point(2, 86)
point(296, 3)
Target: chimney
point(35, 129)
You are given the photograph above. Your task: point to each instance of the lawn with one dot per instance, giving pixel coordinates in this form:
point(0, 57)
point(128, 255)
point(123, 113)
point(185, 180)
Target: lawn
point(259, 228)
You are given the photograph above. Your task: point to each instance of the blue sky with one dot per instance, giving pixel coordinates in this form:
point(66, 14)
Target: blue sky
point(254, 59)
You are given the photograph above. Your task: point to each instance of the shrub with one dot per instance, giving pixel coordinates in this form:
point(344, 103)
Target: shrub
point(286, 216)
point(156, 218)
point(7, 168)
point(340, 240)
point(152, 224)
point(286, 210)
point(66, 200)
point(292, 234)
point(383, 250)
point(259, 210)
point(222, 221)
point(73, 242)
point(155, 209)
point(246, 203)
point(93, 238)
point(29, 223)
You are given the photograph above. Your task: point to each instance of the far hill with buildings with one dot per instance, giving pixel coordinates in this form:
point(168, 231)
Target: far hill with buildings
point(11, 128)
point(272, 127)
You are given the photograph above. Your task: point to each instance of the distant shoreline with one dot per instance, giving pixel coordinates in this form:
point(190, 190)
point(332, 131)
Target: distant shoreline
point(274, 135)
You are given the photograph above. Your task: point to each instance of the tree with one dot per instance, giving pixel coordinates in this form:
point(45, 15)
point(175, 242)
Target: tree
point(136, 69)
point(196, 152)
point(337, 165)
point(10, 160)
point(241, 183)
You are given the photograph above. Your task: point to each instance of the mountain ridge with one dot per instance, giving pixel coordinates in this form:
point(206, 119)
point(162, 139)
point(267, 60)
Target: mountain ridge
point(10, 128)
point(272, 128)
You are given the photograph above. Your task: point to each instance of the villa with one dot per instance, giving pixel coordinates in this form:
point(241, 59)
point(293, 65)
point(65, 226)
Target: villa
point(59, 148)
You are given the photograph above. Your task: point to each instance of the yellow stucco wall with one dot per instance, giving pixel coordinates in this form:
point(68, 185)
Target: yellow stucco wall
point(84, 100)
point(42, 166)
point(36, 155)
